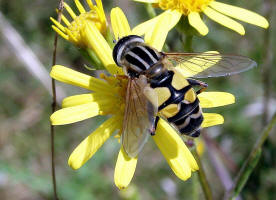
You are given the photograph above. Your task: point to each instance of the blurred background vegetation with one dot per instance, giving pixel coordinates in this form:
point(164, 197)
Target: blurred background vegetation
point(25, 168)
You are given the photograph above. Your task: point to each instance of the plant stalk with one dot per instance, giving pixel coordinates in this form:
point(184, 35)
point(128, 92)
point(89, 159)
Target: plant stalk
point(267, 66)
point(54, 105)
point(202, 177)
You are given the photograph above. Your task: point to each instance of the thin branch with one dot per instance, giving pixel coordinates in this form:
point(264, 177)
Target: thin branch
point(267, 57)
point(54, 103)
point(251, 161)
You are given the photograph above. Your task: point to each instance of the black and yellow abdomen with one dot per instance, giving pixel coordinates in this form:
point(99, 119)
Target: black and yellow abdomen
point(178, 102)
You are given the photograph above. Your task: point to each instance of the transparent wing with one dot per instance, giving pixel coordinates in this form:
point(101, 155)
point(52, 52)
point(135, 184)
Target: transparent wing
point(140, 113)
point(209, 64)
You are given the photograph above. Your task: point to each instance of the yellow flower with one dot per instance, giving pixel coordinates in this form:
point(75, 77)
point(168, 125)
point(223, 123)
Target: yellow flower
point(71, 31)
point(219, 12)
point(108, 98)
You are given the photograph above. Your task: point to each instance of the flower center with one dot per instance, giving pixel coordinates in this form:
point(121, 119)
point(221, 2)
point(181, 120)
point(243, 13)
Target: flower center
point(184, 6)
point(85, 18)
point(117, 93)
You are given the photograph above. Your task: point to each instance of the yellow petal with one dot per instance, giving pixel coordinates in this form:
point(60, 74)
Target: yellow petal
point(174, 150)
point(65, 20)
point(103, 100)
point(156, 37)
point(78, 100)
point(240, 14)
point(119, 23)
point(212, 119)
point(90, 4)
point(57, 24)
point(148, 26)
point(124, 169)
point(198, 63)
point(69, 10)
point(66, 37)
point(79, 6)
point(89, 146)
point(224, 20)
point(69, 76)
point(196, 22)
point(100, 10)
point(215, 99)
point(74, 114)
point(96, 41)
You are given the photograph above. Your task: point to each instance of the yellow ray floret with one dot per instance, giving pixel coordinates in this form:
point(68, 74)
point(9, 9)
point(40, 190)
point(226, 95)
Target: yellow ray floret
point(75, 113)
point(124, 169)
point(215, 99)
point(75, 78)
point(119, 23)
point(89, 146)
point(174, 150)
point(196, 22)
point(212, 119)
point(96, 41)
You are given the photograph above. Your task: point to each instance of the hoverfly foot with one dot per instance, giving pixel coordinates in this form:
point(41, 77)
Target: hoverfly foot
point(196, 133)
point(152, 132)
point(201, 84)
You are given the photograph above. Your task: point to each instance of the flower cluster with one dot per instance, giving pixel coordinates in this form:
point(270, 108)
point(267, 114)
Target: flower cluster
point(217, 11)
point(107, 94)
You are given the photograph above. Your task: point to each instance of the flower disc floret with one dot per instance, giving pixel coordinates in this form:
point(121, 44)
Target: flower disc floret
point(184, 6)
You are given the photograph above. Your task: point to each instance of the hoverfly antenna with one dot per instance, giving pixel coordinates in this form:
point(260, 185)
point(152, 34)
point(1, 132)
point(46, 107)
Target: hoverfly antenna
point(115, 41)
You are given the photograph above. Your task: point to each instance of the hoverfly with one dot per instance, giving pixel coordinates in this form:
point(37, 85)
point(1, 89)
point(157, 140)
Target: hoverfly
point(155, 85)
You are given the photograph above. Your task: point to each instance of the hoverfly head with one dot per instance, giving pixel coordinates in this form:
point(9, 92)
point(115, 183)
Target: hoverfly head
point(122, 45)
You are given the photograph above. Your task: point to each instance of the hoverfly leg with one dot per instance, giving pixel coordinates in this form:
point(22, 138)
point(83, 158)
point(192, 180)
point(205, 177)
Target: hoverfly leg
point(201, 90)
point(196, 133)
point(194, 82)
point(121, 76)
point(152, 131)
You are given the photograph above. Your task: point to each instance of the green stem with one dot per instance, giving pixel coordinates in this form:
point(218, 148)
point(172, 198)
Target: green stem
point(251, 161)
point(202, 177)
point(195, 185)
point(201, 173)
point(93, 59)
point(267, 65)
point(150, 10)
point(187, 44)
